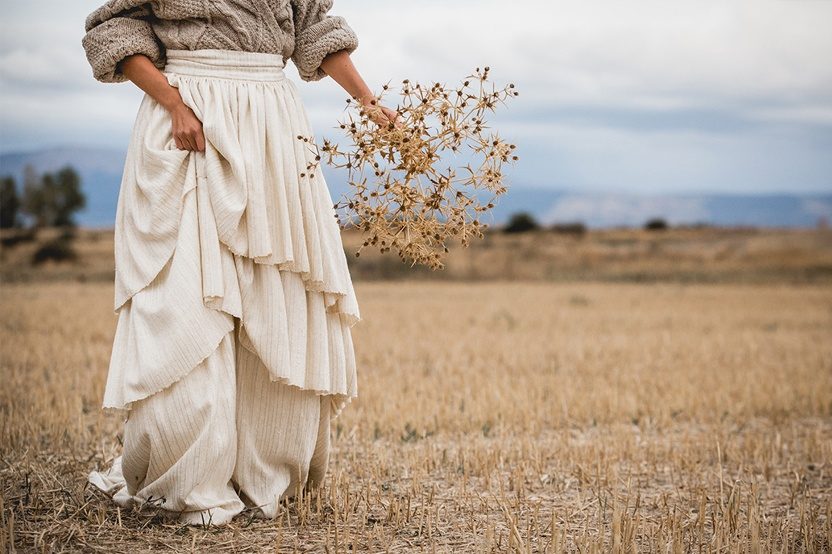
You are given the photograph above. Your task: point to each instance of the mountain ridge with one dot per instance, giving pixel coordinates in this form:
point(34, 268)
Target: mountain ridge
point(101, 170)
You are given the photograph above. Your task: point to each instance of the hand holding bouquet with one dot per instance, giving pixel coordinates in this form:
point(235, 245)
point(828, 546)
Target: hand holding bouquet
point(427, 177)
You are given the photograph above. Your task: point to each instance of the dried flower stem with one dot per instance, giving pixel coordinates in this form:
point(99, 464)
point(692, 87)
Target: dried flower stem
point(402, 194)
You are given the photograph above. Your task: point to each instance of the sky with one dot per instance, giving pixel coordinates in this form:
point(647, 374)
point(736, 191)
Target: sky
point(642, 96)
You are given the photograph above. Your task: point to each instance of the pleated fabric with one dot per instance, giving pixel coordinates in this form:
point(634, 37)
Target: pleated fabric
point(180, 446)
point(222, 438)
point(283, 437)
point(245, 229)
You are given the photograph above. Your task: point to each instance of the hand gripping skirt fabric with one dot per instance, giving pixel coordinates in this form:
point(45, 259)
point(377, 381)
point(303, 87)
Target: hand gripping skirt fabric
point(239, 240)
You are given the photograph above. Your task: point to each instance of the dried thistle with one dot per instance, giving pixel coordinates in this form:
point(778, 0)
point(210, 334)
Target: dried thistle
point(403, 194)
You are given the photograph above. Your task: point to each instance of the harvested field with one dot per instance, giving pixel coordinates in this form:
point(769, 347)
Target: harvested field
point(493, 417)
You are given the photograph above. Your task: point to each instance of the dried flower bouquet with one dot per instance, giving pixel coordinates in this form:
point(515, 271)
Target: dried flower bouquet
point(408, 190)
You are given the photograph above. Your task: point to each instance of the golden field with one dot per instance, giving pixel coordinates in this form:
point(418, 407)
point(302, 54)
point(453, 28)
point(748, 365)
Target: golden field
point(673, 398)
point(690, 255)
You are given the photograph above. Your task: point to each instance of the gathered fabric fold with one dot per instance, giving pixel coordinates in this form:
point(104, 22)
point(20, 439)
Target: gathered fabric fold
point(242, 230)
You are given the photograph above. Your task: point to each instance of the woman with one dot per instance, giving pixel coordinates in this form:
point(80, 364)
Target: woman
point(232, 350)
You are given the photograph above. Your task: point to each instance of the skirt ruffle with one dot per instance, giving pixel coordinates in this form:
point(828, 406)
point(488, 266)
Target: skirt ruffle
point(245, 229)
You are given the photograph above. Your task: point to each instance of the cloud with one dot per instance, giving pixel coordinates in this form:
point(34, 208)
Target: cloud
point(649, 54)
point(43, 70)
point(641, 95)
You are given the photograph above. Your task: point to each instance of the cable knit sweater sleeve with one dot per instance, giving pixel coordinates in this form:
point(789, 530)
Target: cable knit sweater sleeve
point(116, 30)
point(318, 35)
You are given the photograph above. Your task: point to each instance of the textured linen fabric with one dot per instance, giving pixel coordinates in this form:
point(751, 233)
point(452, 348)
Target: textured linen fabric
point(223, 434)
point(241, 230)
point(283, 437)
point(297, 29)
point(233, 348)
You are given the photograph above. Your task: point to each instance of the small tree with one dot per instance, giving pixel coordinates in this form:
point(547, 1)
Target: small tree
point(68, 197)
point(52, 199)
point(9, 203)
point(521, 222)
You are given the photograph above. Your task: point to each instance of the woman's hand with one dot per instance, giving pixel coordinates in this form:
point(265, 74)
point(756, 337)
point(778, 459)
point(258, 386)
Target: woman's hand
point(381, 115)
point(186, 128)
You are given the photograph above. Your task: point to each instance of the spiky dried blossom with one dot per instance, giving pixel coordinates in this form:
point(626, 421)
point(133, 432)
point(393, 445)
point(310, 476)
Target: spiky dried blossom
point(403, 195)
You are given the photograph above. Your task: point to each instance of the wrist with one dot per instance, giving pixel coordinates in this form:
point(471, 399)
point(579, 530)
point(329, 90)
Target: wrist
point(172, 101)
point(367, 99)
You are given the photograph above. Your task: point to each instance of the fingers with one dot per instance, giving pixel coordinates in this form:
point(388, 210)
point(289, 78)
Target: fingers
point(186, 144)
point(393, 117)
point(384, 116)
point(181, 139)
point(193, 139)
point(187, 130)
point(397, 121)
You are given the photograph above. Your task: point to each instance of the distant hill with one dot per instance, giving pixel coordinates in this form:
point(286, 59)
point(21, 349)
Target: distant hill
point(101, 171)
point(598, 209)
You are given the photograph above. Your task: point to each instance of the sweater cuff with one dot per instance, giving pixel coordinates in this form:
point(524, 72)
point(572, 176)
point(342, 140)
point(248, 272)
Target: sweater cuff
point(317, 41)
point(108, 43)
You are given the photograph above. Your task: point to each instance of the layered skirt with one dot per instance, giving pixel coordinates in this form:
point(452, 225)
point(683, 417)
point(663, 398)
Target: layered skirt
point(230, 275)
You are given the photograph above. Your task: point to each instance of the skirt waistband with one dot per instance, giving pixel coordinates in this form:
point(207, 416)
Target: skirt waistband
point(225, 64)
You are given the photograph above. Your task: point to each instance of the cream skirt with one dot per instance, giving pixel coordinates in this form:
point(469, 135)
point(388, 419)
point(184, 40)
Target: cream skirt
point(227, 258)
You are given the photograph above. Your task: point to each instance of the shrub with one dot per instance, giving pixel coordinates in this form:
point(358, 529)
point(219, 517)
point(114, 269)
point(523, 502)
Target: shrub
point(521, 222)
point(577, 228)
point(17, 236)
point(57, 250)
point(656, 224)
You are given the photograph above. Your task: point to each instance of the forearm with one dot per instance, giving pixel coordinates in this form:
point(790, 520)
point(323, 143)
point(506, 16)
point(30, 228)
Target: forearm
point(186, 128)
point(141, 71)
point(339, 66)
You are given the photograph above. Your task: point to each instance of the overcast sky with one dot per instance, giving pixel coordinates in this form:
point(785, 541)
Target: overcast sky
point(636, 96)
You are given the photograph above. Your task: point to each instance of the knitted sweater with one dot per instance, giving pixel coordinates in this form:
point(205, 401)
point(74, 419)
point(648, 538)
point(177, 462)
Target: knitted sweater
point(299, 30)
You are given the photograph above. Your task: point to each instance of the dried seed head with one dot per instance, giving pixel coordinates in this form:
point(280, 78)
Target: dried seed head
point(403, 196)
